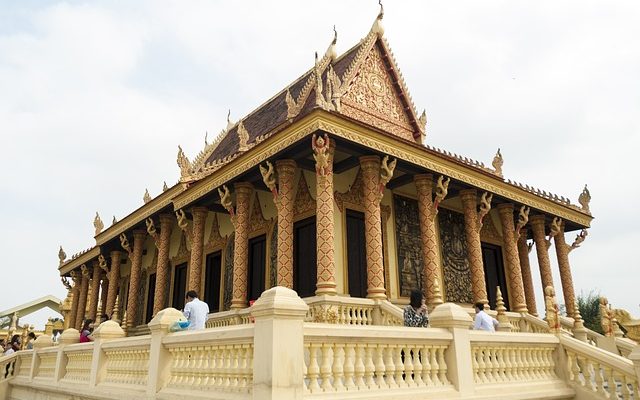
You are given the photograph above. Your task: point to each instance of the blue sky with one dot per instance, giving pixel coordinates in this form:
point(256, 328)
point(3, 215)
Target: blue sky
point(96, 96)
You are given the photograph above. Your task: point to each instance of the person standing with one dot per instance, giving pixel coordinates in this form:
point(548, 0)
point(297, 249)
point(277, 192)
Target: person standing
point(415, 314)
point(195, 310)
point(484, 321)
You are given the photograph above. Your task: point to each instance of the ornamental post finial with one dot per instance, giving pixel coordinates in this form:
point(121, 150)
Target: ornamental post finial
point(164, 186)
point(497, 163)
point(114, 220)
point(584, 199)
point(98, 224)
point(147, 197)
point(62, 255)
point(377, 24)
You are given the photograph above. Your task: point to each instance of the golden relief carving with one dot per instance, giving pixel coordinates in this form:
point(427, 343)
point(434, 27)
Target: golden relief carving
point(304, 203)
point(225, 199)
point(352, 196)
point(124, 242)
point(489, 232)
point(151, 230)
point(320, 147)
point(372, 98)
point(215, 239)
point(185, 225)
point(386, 172)
point(257, 221)
point(485, 207)
point(243, 137)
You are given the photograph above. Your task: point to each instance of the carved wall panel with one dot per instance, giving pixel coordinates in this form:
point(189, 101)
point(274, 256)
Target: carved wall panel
point(408, 245)
point(228, 273)
point(456, 271)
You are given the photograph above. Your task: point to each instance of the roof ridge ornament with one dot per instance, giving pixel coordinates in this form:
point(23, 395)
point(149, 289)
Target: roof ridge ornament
point(183, 163)
point(497, 163)
point(584, 199)
point(62, 255)
point(98, 224)
point(377, 27)
point(243, 137)
point(147, 197)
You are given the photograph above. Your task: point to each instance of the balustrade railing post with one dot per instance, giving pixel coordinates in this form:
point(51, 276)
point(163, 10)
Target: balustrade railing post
point(278, 353)
point(159, 357)
point(69, 336)
point(108, 330)
point(635, 357)
point(458, 356)
point(41, 342)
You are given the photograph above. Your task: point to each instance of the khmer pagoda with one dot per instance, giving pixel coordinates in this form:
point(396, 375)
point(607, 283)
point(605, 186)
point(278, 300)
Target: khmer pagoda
point(305, 226)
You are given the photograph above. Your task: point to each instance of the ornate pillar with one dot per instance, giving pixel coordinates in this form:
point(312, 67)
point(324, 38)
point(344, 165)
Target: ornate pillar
point(104, 292)
point(95, 291)
point(114, 282)
point(82, 297)
point(427, 214)
point(472, 233)
point(134, 280)
point(527, 279)
point(516, 287)
point(197, 247)
point(241, 244)
point(284, 203)
point(75, 295)
point(542, 249)
point(562, 253)
point(370, 166)
point(162, 268)
point(323, 149)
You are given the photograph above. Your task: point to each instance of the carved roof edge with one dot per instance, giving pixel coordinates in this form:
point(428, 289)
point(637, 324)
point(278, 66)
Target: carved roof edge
point(83, 258)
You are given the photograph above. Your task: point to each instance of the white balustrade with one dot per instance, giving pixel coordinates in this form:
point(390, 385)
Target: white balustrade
point(24, 363)
point(46, 365)
point(127, 361)
point(78, 368)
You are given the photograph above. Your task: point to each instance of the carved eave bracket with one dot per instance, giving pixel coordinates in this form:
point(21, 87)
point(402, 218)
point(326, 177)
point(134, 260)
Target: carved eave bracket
point(556, 227)
point(185, 225)
point(269, 179)
point(442, 189)
point(523, 218)
point(320, 147)
point(85, 271)
point(152, 231)
point(124, 243)
point(386, 173)
point(102, 263)
point(227, 203)
point(580, 237)
point(485, 207)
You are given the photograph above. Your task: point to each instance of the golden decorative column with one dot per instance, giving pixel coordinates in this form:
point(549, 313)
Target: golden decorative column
point(82, 297)
point(95, 291)
point(241, 244)
point(162, 268)
point(472, 226)
point(134, 279)
point(323, 150)
point(516, 286)
point(114, 282)
point(427, 213)
point(542, 249)
point(370, 166)
point(562, 253)
point(75, 295)
point(104, 292)
point(197, 247)
point(525, 266)
point(284, 202)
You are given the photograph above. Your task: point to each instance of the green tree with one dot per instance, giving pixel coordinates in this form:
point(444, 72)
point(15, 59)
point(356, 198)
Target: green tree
point(589, 306)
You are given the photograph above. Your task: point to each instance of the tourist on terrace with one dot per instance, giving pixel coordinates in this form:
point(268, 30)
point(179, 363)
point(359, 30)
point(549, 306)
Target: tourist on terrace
point(195, 311)
point(484, 321)
point(85, 332)
point(31, 337)
point(415, 314)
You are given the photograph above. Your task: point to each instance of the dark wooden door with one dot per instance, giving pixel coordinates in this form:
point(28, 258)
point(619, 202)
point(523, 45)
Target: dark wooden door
point(494, 275)
point(356, 254)
point(151, 291)
point(179, 286)
point(304, 257)
point(257, 261)
point(213, 274)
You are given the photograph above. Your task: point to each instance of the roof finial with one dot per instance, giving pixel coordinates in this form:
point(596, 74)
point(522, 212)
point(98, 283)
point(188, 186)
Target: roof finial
point(381, 14)
point(229, 122)
point(331, 50)
point(206, 136)
point(377, 24)
point(335, 35)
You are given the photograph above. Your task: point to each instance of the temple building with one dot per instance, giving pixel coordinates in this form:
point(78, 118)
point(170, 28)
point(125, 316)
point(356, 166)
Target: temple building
point(329, 188)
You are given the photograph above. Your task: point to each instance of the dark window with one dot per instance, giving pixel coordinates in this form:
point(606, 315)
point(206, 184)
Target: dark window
point(356, 254)
point(151, 291)
point(494, 275)
point(304, 257)
point(257, 260)
point(179, 285)
point(212, 281)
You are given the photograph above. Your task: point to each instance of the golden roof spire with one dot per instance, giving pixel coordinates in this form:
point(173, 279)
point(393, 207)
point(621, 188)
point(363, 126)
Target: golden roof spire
point(377, 24)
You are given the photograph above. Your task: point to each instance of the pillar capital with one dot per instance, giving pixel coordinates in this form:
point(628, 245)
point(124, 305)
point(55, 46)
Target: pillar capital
point(243, 188)
point(115, 254)
point(367, 162)
point(199, 210)
point(139, 234)
point(468, 194)
point(167, 219)
point(536, 220)
point(286, 166)
point(505, 208)
point(423, 181)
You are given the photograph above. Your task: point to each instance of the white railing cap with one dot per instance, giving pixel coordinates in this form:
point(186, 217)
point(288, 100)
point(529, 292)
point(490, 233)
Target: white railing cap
point(279, 301)
point(450, 315)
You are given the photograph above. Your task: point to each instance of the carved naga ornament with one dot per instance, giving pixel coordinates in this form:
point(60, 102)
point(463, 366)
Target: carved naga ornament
point(556, 226)
point(225, 200)
point(269, 179)
point(61, 255)
point(580, 237)
point(151, 230)
point(442, 189)
point(84, 270)
point(124, 242)
point(523, 218)
point(98, 224)
point(497, 163)
point(485, 207)
point(183, 163)
point(320, 146)
point(584, 199)
point(103, 265)
point(386, 172)
point(243, 137)
point(65, 282)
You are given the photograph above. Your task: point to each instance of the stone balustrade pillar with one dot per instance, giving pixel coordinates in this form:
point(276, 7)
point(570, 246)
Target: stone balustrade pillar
point(427, 215)
point(370, 167)
point(197, 248)
point(525, 266)
point(159, 356)
point(139, 237)
point(114, 281)
point(474, 246)
point(108, 330)
point(241, 245)
point(518, 301)
point(278, 354)
point(284, 203)
point(162, 268)
point(562, 253)
point(82, 297)
point(95, 291)
point(326, 266)
point(542, 250)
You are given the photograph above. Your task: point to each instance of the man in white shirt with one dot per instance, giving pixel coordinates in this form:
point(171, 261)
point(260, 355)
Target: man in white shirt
point(195, 311)
point(484, 321)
